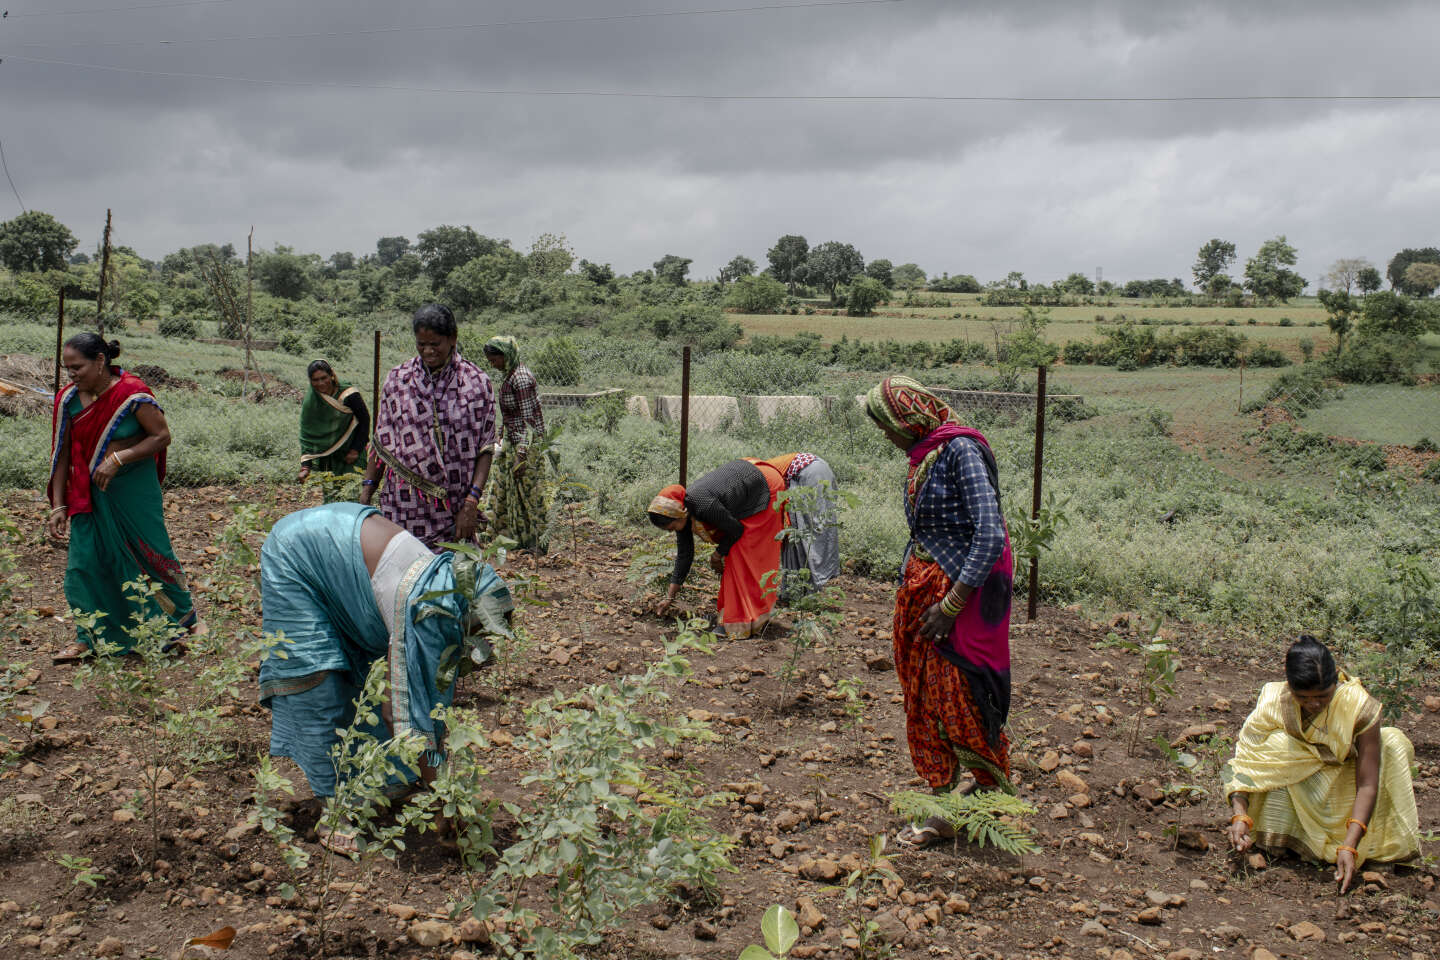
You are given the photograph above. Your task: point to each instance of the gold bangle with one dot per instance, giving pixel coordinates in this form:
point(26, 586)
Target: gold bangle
point(115, 455)
point(1364, 827)
point(55, 510)
point(1243, 816)
point(949, 607)
point(1343, 847)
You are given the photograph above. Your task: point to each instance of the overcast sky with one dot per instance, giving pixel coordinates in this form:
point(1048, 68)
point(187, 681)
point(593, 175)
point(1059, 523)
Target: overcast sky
point(354, 139)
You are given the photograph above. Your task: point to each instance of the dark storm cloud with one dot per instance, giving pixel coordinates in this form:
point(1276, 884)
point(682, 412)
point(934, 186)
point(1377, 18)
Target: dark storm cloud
point(332, 166)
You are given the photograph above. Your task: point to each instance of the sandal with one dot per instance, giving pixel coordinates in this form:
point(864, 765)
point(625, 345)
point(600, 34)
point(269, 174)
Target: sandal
point(922, 837)
point(74, 653)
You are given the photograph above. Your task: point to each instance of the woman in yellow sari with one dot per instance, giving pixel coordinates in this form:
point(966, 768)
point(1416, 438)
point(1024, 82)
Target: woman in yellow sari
point(1315, 773)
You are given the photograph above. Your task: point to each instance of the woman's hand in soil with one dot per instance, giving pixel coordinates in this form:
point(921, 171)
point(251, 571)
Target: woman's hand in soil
point(1240, 836)
point(935, 625)
point(1344, 869)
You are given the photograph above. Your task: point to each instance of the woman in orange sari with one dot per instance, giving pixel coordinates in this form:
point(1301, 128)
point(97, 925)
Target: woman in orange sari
point(952, 611)
point(733, 507)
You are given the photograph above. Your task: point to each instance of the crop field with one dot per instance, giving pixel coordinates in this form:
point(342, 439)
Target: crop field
point(1191, 509)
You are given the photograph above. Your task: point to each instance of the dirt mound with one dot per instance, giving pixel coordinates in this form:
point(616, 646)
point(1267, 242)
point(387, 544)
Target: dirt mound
point(271, 387)
point(25, 382)
point(160, 377)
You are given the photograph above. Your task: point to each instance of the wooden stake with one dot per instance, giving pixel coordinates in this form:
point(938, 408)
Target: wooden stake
point(684, 415)
point(249, 304)
point(104, 274)
point(59, 338)
point(1035, 498)
point(375, 388)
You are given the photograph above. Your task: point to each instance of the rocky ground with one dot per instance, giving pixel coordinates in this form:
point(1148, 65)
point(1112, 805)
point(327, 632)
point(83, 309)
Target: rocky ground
point(1131, 859)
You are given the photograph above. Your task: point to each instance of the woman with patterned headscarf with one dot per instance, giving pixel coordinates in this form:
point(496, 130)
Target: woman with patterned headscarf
point(952, 611)
point(733, 507)
point(522, 507)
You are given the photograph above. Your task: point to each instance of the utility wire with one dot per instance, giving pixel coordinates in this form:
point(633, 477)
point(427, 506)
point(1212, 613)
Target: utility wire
point(6, 165)
point(744, 97)
point(137, 6)
point(436, 28)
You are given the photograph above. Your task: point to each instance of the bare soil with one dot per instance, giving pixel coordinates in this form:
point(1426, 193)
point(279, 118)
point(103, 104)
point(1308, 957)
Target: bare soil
point(1129, 866)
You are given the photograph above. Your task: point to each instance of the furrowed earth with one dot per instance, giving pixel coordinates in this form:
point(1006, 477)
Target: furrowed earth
point(1132, 862)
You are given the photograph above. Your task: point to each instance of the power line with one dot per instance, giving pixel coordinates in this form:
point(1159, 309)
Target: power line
point(6, 165)
point(137, 6)
point(437, 28)
point(745, 97)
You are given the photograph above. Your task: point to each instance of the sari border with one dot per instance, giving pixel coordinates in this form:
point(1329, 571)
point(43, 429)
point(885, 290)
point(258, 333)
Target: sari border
point(345, 439)
point(391, 461)
point(127, 406)
point(57, 441)
point(400, 724)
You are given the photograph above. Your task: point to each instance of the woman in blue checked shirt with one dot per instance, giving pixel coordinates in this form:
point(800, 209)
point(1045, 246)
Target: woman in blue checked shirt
point(952, 611)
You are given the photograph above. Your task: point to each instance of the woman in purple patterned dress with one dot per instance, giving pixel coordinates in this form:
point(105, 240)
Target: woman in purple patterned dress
point(434, 432)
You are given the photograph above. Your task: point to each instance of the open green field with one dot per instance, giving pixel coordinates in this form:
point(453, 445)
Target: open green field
point(1380, 414)
point(975, 322)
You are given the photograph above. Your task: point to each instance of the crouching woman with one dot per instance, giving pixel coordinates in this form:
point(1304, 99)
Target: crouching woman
point(347, 587)
point(1316, 774)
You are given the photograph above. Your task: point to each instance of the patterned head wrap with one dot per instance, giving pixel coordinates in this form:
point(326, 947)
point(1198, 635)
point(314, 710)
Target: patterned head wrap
point(670, 502)
point(903, 406)
point(506, 347)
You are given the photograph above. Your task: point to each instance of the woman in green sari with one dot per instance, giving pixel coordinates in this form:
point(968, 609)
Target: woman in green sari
point(334, 424)
point(522, 499)
point(106, 466)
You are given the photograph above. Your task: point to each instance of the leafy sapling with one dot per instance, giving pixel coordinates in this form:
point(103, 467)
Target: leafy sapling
point(780, 931)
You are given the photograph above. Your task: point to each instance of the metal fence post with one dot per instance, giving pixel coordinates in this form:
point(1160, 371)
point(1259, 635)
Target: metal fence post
point(684, 415)
point(1035, 498)
point(375, 383)
point(59, 337)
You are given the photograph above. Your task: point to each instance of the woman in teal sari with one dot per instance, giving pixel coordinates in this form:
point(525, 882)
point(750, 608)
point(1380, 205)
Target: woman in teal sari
point(334, 424)
point(522, 501)
point(106, 465)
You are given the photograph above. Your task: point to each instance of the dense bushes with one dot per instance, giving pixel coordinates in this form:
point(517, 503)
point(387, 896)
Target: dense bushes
point(1131, 346)
point(557, 362)
point(757, 374)
point(757, 294)
point(179, 328)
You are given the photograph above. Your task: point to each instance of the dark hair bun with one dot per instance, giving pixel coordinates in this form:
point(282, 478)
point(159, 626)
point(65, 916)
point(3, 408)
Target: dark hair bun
point(112, 349)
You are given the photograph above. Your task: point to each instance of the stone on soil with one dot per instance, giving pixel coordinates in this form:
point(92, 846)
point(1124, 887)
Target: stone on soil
point(430, 933)
point(1305, 930)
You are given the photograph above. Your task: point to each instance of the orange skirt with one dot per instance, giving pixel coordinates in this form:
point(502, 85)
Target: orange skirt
point(747, 595)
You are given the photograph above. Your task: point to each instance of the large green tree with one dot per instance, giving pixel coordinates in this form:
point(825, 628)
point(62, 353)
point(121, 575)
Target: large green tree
point(35, 241)
point(1368, 280)
point(908, 276)
point(390, 249)
point(672, 269)
point(446, 247)
point(832, 263)
point(787, 259)
point(1395, 269)
point(1421, 279)
point(1212, 261)
point(285, 273)
point(1340, 312)
point(739, 266)
point(1267, 274)
point(882, 270)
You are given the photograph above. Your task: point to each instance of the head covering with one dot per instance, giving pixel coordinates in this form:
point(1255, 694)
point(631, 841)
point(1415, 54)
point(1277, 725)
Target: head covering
point(670, 502)
point(506, 347)
point(903, 406)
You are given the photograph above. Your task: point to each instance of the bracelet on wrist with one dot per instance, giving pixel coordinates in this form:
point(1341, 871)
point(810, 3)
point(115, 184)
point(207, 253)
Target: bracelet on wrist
point(1352, 850)
point(1364, 827)
point(368, 483)
point(1245, 817)
point(118, 462)
point(55, 510)
point(950, 606)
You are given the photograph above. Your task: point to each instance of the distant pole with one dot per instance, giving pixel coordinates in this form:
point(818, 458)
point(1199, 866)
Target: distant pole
point(104, 273)
point(1035, 497)
point(684, 415)
point(59, 338)
point(375, 388)
point(1240, 401)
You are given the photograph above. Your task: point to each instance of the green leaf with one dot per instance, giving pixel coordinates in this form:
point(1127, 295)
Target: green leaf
point(753, 952)
point(780, 930)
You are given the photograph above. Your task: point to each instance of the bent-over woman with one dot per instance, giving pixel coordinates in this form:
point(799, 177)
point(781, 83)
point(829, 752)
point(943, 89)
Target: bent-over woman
point(334, 424)
point(1316, 774)
point(522, 505)
point(348, 587)
point(952, 611)
point(733, 507)
point(107, 461)
point(433, 435)
point(815, 543)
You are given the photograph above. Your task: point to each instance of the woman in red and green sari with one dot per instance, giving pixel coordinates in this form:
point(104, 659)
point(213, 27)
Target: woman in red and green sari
point(106, 465)
point(952, 611)
point(334, 424)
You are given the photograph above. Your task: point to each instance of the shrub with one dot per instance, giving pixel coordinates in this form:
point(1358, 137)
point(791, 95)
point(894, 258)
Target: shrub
point(1432, 472)
point(758, 374)
point(179, 328)
point(864, 295)
point(1384, 358)
point(1263, 356)
point(558, 362)
point(758, 294)
point(332, 337)
point(292, 343)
